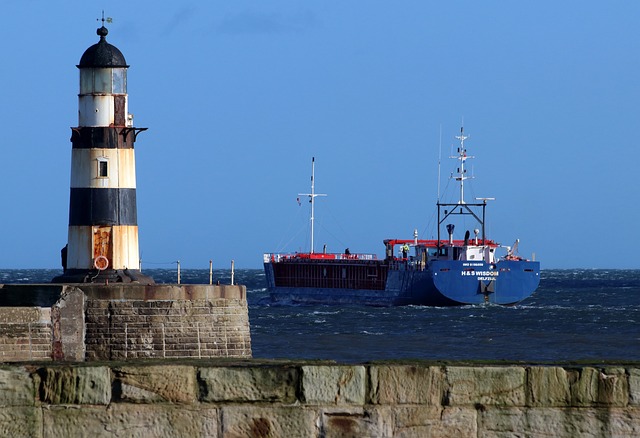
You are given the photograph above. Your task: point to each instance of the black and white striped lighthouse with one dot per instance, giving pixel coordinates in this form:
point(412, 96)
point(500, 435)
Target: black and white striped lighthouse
point(102, 244)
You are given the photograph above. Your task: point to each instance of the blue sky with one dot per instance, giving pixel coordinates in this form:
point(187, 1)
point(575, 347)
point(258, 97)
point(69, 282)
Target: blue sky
point(238, 96)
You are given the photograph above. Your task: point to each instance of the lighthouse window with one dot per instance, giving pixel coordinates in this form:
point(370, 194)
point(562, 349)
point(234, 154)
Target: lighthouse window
point(103, 168)
point(102, 80)
point(86, 80)
point(119, 80)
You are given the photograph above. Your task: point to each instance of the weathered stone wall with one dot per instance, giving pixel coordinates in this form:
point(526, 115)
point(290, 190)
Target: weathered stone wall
point(286, 399)
point(100, 322)
point(25, 333)
point(167, 329)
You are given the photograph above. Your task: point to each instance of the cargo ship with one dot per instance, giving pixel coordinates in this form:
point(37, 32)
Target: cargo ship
point(445, 271)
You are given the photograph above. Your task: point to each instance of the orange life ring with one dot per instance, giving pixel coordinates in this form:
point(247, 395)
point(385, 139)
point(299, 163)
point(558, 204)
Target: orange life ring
point(101, 263)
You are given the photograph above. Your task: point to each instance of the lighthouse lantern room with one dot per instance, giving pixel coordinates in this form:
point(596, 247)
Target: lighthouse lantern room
point(102, 243)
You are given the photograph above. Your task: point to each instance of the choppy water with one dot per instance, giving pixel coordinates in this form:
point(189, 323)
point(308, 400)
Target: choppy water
point(574, 315)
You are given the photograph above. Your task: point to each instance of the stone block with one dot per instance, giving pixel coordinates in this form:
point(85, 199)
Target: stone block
point(21, 421)
point(418, 421)
point(131, 420)
point(242, 421)
point(68, 334)
point(22, 315)
point(621, 422)
point(17, 388)
point(509, 422)
point(402, 384)
point(583, 383)
point(548, 386)
point(634, 386)
point(613, 387)
point(486, 386)
point(558, 422)
point(123, 392)
point(248, 384)
point(154, 383)
point(594, 387)
point(333, 384)
point(75, 385)
point(352, 421)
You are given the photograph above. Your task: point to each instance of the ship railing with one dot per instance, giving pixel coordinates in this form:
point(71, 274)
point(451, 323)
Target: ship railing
point(279, 257)
point(356, 256)
point(410, 263)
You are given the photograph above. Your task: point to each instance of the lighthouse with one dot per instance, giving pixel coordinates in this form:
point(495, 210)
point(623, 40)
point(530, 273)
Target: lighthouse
point(102, 243)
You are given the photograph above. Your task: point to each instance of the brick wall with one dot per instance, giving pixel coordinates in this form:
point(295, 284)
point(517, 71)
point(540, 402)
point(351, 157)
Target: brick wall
point(167, 329)
point(25, 333)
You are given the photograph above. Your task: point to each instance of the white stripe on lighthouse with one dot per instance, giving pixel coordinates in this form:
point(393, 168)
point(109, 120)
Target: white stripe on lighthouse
point(103, 168)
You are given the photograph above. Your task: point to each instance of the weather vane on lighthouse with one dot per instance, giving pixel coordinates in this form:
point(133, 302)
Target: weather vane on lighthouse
point(108, 19)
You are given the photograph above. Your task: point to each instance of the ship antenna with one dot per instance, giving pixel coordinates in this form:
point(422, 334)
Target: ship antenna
point(462, 156)
point(312, 197)
point(439, 160)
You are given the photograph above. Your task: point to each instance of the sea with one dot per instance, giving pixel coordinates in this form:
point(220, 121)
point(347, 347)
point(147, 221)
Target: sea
point(576, 315)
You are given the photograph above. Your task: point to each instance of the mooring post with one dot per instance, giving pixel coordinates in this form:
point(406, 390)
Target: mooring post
point(210, 271)
point(232, 272)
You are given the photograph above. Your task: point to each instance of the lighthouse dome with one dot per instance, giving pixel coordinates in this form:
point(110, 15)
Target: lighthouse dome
point(102, 54)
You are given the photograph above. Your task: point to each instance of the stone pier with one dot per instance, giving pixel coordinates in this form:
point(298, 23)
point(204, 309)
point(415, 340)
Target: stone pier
point(251, 398)
point(77, 322)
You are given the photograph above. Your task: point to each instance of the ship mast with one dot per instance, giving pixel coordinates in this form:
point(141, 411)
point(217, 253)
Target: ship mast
point(477, 210)
point(462, 156)
point(312, 197)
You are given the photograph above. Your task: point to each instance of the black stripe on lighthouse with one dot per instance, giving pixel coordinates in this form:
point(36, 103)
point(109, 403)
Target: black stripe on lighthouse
point(88, 206)
point(103, 137)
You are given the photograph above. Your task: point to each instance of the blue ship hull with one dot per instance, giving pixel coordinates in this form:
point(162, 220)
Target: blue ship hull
point(441, 283)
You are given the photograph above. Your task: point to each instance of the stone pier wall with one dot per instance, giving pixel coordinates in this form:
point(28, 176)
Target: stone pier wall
point(166, 329)
point(250, 398)
point(115, 322)
point(25, 334)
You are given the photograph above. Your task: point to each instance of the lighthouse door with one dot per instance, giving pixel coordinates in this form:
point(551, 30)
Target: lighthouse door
point(102, 246)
